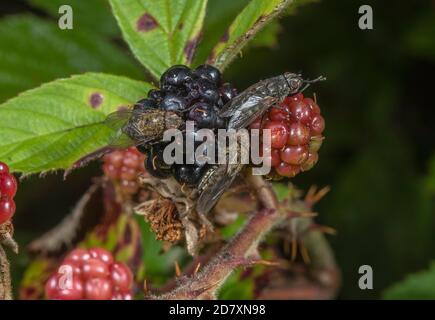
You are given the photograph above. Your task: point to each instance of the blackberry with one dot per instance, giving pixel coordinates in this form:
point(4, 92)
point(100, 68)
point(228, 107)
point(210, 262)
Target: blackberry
point(195, 95)
point(188, 174)
point(123, 168)
point(204, 115)
point(95, 276)
point(209, 73)
point(7, 209)
point(173, 102)
point(145, 104)
point(296, 134)
point(8, 189)
point(175, 76)
point(155, 164)
point(155, 94)
point(8, 185)
point(227, 92)
point(208, 91)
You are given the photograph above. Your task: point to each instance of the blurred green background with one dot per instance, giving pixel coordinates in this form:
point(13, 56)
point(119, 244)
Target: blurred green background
point(378, 156)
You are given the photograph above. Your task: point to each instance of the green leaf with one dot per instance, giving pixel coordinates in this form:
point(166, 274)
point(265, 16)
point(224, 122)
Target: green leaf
point(416, 286)
point(219, 15)
point(268, 36)
point(158, 265)
point(237, 288)
point(32, 285)
point(56, 124)
point(256, 15)
point(283, 191)
point(229, 231)
point(34, 51)
point(93, 15)
point(161, 33)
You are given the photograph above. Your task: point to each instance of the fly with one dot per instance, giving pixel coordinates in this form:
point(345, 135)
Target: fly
point(254, 101)
point(134, 126)
point(240, 112)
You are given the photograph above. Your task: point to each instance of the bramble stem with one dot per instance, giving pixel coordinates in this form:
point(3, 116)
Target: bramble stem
point(241, 250)
point(6, 230)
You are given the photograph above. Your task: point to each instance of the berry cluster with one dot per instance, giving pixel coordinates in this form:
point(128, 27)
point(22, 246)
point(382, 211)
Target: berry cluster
point(95, 276)
point(196, 95)
point(296, 132)
point(123, 167)
point(8, 189)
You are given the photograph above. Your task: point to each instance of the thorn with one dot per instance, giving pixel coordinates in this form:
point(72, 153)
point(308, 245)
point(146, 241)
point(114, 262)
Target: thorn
point(177, 269)
point(323, 229)
point(197, 268)
point(267, 263)
point(313, 196)
point(310, 193)
point(198, 292)
point(328, 230)
point(304, 253)
point(246, 262)
point(295, 214)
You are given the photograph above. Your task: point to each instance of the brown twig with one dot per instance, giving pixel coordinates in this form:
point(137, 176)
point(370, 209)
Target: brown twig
point(205, 283)
point(6, 240)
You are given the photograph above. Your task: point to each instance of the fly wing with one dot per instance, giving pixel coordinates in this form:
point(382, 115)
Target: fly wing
point(116, 121)
point(231, 106)
point(219, 181)
point(253, 107)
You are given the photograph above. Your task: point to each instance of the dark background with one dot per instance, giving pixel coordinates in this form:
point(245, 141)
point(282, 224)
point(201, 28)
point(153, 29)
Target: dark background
point(378, 155)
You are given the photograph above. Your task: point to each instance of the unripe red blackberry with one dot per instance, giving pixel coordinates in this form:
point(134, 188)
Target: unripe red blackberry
point(8, 189)
point(7, 209)
point(123, 168)
point(94, 276)
point(296, 134)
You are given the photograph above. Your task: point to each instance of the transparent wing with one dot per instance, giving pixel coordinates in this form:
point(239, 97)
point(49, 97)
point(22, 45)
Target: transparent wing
point(219, 181)
point(232, 105)
point(116, 121)
point(249, 110)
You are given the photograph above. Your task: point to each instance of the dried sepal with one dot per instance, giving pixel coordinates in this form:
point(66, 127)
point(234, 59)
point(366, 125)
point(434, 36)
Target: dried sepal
point(163, 218)
point(176, 204)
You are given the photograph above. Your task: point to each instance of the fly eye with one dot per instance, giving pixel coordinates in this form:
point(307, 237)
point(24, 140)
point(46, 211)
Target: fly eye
point(295, 83)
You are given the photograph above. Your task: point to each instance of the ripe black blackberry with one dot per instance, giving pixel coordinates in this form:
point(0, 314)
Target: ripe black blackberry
point(196, 95)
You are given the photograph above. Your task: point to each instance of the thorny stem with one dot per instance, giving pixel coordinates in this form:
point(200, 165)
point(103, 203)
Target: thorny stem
point(5, 277)
point(241, 250)
point(6, 230)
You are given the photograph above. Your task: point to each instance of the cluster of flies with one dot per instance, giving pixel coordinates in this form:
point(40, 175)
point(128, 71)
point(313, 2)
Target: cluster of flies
point(200, 96)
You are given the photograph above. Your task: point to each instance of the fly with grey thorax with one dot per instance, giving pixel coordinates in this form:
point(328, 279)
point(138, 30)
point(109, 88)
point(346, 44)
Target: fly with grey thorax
point(240, 112)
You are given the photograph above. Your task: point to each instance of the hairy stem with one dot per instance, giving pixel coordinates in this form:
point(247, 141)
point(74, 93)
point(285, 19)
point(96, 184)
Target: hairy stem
point(6, 240)
point(5, 277)
point(240, 251)
point(321, 280)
